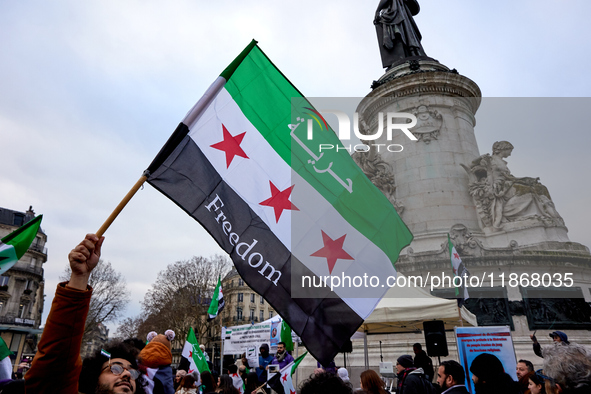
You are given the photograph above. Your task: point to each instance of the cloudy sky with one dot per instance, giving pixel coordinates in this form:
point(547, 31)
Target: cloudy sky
point(90, 91)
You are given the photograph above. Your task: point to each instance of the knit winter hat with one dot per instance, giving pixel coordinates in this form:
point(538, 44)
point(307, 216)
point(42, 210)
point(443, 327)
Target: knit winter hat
point(486, 367)
point(406, 361)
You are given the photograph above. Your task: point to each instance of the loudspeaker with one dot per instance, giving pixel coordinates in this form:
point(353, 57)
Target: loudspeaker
point(347, 347)
point(435, 338)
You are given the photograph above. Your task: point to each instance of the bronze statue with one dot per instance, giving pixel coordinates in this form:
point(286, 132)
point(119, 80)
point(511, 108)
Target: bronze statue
point(398, 35)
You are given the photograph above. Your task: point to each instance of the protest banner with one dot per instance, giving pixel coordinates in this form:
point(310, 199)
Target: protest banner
point(496, 340)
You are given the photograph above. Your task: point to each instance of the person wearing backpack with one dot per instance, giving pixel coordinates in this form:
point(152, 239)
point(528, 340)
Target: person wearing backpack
point(411, 380)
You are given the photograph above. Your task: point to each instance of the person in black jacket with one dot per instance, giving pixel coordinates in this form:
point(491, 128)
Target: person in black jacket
point(411, 380)
point(423, 361)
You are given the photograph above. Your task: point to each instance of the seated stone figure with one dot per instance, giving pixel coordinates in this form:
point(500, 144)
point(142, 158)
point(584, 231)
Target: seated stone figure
point(501, 197)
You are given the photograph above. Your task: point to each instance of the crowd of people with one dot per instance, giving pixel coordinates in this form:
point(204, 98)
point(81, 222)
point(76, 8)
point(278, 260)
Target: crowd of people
point(122, 367)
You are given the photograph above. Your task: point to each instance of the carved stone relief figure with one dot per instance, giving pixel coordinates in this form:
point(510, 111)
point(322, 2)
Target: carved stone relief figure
point(464, 242)
point(429, 124)
point(501, 197)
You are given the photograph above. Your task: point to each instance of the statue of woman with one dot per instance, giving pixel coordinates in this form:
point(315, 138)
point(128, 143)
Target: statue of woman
point(501, 197)
point(398, 35)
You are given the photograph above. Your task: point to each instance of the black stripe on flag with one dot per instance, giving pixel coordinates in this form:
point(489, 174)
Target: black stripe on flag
point(323, 320)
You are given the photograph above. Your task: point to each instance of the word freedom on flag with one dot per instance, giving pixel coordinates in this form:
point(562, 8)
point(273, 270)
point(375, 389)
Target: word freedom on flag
point(240, 165)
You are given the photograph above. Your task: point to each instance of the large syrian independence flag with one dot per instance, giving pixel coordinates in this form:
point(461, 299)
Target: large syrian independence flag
point(15, 245)
point(459, 270)
point(243, 165)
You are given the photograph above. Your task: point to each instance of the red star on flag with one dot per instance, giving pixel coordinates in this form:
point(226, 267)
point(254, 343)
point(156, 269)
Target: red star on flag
point(190, 354)
point(279, 200)
point(284, 378)
point(291, 391)
point(456, 255)
point(332, 250)
point(231, 146)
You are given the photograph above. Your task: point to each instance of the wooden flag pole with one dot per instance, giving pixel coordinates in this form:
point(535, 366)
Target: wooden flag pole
point(121, 205)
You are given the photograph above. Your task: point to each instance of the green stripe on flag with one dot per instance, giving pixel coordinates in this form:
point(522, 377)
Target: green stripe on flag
point(4, 351)
point(22, 238)
point(297, 362)
point(265, 97)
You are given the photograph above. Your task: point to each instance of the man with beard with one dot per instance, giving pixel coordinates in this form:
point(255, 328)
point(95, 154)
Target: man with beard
point(282, 357)
point(451, 378)
point(524, 370)
point(489, 377)
point(57, 366)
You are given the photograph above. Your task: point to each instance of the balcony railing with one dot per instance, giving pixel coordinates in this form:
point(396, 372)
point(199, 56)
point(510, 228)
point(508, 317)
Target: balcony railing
point(28, 268)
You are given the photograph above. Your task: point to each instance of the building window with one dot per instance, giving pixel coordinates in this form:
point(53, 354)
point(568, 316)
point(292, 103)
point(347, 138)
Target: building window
point(252, 297)
point(1, 306)
point(22, 309)
point(262, 300)
point(240, 282)
point(270, 314)
point(239, 313)
point(18, 219)
point(4, 280)
point(262, 315)
point(252, 314)
point(240, 297)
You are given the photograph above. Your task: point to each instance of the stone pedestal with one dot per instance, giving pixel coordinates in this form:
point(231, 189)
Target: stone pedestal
point(431, 186)
point(432, 183)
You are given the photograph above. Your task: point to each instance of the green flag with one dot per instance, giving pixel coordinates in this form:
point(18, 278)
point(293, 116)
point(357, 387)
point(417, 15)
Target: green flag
point(5, 363)
point(217, 301)
point(286, 335)
point(193, 353)
point(16, 244)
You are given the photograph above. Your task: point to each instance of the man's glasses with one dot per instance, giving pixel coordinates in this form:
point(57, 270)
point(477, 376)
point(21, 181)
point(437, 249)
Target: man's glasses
point(118, 368)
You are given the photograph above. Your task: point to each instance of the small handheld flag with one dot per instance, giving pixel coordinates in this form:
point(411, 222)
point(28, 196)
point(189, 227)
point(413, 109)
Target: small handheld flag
point(193, 354)
point(16, 244)
point(217, 301)
point(459, 270)
point(281, 382)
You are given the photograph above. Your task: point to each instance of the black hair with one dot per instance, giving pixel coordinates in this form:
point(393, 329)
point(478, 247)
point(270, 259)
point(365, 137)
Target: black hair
point(455, 370)
point(417, 346)
point(227, 385)
point(208, 382)
point(91, 366)
point(325, 383)
point(281, 343)
point(528, 363)
point(233, 368)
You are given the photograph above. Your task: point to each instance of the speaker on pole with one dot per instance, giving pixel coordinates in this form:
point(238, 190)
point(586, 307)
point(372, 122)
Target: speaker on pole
point(435, 338)
point(347, 347)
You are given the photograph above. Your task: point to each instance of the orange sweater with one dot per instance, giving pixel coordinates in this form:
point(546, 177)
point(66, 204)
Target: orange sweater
point(57, 364)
